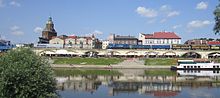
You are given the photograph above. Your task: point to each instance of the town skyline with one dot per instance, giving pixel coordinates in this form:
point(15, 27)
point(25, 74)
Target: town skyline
point(23, 21)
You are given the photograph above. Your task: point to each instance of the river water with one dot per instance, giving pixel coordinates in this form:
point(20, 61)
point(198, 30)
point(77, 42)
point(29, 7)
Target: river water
point(138, 83)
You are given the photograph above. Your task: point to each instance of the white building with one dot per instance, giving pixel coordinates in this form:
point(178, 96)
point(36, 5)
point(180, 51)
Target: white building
point(57, 40)
point(80, 42)
point(76, 42)
point(105, 44)
point(160, 38)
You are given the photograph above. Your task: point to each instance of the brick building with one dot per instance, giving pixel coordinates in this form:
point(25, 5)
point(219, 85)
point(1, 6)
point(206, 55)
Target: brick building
point(48, 33)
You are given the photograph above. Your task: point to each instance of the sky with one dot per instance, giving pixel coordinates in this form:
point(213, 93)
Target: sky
point(21, 21)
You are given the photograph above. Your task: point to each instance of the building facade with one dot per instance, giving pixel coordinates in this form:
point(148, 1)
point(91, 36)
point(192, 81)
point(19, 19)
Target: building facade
point(48, 33)
point(196, 42)
point(76, 42)
point(105, 44)
point(58, 40)
point(159, 38)
point(118, 39)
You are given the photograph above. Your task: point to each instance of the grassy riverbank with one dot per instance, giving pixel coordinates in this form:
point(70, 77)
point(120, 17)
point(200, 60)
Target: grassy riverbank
point(160, 61)
point(159, 73)
point(72, 72)
point(87, 61)
point(168, 61)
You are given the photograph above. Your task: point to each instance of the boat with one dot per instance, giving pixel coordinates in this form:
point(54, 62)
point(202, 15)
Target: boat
point(199, 73)
point(196, 64)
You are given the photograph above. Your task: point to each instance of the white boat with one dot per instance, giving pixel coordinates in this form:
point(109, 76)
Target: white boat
point(200, 73)
point(196, 65)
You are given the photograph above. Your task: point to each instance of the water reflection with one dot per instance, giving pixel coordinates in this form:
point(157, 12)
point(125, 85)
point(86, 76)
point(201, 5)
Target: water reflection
point(140, 84)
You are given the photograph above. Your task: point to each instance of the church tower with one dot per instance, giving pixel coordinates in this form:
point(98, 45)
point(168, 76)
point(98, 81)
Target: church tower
point(48, 32)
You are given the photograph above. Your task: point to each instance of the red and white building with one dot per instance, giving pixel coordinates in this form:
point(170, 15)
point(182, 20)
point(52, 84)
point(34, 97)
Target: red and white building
point(159, 38)
point(216, 43)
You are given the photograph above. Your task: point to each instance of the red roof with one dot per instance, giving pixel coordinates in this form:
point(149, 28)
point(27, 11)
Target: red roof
point(214, 42)
point(72, 37)
point(162, 35)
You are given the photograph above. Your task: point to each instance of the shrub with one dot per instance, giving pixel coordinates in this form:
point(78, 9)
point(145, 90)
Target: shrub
point(23, 74)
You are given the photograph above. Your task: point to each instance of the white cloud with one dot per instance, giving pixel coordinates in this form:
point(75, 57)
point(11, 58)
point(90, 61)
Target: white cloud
point(1, 3)
point(151, 21)
point(15, 30)
point(146, 12)
point(163, 20)
point(173, 13)
point(38, 30)
point(176, 26)
point(14, 3)
point(97, 32)
point(17, 33)
point(165, 8)
point(198, 24)
point(202, 6)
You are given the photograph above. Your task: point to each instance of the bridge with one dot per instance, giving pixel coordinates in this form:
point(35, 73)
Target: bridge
point(127, 52)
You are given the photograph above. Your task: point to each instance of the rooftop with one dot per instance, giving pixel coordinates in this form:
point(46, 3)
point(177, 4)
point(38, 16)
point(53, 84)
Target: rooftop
point(119, 37)
point(214, 42)
point(162, 35)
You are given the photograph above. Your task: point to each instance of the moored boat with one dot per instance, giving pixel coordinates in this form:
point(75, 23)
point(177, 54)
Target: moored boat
point(196, 65)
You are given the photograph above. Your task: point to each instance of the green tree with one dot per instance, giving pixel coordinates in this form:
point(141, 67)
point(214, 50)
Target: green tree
point(217, 19)
point(23, 74)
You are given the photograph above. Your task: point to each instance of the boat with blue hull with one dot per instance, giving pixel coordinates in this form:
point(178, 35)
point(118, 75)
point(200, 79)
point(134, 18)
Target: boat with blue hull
point(196, 65)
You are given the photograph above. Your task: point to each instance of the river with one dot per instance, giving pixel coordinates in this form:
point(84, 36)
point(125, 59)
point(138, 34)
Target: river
point(137, 83)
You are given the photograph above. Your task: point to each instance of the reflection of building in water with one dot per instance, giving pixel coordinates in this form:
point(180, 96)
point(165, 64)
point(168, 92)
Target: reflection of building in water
point(198, 75)
point(77, 85)
point(157, 89)
point(161, 89)
point(155, 85)
point(91, 82)
point(198, 78)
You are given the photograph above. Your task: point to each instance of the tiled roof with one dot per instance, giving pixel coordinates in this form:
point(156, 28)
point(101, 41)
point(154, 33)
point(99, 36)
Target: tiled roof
point(162, 35)
point(214, 42)
point(72, 37)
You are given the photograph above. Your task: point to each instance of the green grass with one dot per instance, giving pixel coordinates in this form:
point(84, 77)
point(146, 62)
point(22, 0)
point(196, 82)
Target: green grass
point(73, 72)
point(160, 73)
point(160, 61)
point(87, 61)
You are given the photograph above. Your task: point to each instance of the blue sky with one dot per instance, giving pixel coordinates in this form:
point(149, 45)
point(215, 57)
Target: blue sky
point(22, 20)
